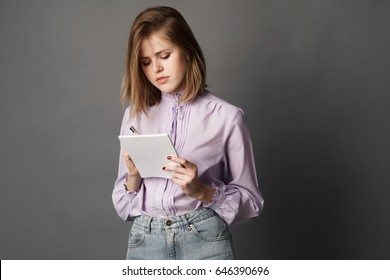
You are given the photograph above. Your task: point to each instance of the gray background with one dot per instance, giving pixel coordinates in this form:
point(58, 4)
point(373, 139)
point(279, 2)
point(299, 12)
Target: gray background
point(312, 75)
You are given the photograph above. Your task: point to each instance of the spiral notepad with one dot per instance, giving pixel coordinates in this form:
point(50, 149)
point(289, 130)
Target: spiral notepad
point(149, 153)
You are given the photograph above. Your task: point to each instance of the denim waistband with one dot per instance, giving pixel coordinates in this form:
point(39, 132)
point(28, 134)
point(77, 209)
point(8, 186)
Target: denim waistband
point(175, 221)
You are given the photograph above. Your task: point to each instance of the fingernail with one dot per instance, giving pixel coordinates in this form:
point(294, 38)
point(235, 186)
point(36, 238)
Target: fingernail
point(169, 157)
point(163, 168)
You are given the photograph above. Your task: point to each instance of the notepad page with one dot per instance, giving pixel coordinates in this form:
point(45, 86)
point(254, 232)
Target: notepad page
point(149, 153)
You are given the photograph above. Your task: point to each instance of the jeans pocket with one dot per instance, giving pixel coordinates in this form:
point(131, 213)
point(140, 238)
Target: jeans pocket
point(135, 239)
point(211, 229)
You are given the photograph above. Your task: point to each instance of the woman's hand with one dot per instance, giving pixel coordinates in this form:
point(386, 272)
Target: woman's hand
point(186, 177)
point(134, 179)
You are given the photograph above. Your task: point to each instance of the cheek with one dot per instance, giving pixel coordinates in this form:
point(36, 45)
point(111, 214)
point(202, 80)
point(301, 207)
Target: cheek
point(178, 63)
point(181, 68)
point(185, 66)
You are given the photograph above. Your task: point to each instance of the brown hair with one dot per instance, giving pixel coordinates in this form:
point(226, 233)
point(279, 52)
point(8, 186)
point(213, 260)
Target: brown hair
point(135, 86)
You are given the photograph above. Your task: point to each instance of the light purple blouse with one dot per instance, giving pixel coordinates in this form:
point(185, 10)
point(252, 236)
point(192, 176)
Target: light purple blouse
point(213, 135)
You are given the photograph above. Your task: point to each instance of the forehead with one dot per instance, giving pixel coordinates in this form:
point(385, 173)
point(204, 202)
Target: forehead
point(154, 44)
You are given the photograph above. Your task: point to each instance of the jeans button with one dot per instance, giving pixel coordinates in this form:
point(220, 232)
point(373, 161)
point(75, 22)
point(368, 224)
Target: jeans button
point(168, 223)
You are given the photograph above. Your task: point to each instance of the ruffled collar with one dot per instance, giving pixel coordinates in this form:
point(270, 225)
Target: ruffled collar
point(171, 97)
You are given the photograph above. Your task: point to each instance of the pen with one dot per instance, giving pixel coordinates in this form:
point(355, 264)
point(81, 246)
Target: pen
point(134, 130)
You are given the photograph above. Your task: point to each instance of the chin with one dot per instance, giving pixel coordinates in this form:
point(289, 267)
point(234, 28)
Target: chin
point(168, 89)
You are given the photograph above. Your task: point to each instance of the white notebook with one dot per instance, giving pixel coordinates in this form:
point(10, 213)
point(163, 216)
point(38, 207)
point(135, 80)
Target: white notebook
point(149, 153)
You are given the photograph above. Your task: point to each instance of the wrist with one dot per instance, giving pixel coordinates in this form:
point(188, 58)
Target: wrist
point(205, 193)
point(133, 183)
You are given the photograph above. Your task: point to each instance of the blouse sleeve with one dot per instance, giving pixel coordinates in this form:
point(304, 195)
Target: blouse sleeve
point(121, 198)
point(237, 197)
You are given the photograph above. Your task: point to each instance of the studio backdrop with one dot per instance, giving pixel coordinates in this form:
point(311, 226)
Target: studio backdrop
point(312, 77)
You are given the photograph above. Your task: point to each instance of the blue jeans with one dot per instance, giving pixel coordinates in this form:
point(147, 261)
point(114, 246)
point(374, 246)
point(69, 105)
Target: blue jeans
point(201, 234)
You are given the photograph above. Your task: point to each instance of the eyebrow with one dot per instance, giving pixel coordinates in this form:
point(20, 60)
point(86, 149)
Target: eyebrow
point(157, 53)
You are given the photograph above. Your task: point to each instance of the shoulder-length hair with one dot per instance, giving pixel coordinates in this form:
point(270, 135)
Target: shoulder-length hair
point(136, 89)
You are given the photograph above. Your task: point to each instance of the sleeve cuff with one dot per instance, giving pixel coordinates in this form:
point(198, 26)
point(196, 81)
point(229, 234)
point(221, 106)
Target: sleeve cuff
point(132, 193)
point(218, 196)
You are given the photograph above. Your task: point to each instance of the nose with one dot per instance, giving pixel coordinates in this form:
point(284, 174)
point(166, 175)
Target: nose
point(157, 67)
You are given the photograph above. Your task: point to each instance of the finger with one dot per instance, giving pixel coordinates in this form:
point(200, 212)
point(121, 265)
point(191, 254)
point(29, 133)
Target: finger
point(126, 155)
point(176, 169)
point(183, 177)
point(182, 182)
point(129, 162)
point(179, 182)
point(183, 162)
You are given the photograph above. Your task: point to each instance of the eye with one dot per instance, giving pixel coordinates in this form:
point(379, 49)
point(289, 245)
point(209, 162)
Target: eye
point(165, 56)
point(145, 63)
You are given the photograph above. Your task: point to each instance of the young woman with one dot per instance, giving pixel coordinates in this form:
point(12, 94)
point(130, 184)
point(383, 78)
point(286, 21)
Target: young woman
point(185, 217)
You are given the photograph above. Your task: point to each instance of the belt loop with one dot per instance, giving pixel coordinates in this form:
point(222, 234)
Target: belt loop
point(186, 222)
point(148, 227)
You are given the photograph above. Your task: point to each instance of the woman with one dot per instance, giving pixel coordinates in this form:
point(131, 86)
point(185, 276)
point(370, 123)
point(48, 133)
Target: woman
point(215, 184)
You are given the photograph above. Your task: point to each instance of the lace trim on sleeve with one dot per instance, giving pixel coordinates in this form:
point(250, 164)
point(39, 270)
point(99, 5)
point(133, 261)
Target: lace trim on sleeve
point(218, 196)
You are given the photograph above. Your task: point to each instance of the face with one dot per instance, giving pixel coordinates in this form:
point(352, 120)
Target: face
point(163, 63)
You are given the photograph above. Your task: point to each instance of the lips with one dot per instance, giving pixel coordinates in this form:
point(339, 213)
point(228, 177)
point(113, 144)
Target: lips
point(162, 79)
